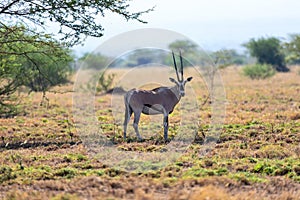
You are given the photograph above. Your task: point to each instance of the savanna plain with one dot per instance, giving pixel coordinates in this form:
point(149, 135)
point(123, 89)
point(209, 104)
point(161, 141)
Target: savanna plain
point(256, 156)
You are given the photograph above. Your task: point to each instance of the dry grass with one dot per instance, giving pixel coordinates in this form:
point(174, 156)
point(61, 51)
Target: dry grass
point(256, 156)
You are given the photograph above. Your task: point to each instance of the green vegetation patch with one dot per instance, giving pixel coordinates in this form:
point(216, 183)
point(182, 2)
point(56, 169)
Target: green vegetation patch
point(259, 71)
point(6, 174)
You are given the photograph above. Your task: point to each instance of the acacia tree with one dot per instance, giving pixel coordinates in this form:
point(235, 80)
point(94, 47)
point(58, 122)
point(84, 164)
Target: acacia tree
point(185, 46)
point(268, 51)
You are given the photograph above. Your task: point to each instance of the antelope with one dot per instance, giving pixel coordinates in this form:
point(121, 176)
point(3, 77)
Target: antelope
point(160, 100)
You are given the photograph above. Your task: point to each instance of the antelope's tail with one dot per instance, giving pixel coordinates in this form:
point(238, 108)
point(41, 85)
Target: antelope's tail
point(127, 97)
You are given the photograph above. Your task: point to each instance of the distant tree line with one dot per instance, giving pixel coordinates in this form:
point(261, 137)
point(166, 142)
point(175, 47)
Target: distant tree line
point(271, 55)
point(151, 56)
point(271, 51)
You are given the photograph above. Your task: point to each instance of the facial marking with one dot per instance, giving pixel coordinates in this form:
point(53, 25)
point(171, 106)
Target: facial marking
point(181, 88)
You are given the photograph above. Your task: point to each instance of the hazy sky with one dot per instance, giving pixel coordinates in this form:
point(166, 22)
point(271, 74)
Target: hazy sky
point(213, 24)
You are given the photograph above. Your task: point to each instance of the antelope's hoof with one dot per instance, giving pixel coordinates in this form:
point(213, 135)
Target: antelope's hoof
point(167, 140)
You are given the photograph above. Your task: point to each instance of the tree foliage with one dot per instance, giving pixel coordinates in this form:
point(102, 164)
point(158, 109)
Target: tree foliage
point(26, 59)
point(189, 50)
point(268, 51)
point(145, 56)
point(93, 61)
point(75, 18)
point(185, 46)
point(226, 57)
point(293, 49)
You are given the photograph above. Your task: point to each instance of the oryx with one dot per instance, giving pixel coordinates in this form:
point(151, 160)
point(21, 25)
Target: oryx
point(161, 100)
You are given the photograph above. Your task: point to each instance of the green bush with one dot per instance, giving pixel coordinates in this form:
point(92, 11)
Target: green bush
point(66, 172)
point(258, 71)
point(268, 51)
point(105, 82)
point(6, 173)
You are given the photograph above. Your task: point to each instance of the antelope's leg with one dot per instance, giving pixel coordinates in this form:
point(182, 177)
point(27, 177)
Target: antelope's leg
point(128, 113)
point(136, 120)
point(166, 127)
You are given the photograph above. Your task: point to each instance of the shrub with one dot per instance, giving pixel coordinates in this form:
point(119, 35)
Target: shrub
point(268, 51)
point(105, 82)
point(6, 173)
point(102, 83)
point(66, 172)
point(258, 71)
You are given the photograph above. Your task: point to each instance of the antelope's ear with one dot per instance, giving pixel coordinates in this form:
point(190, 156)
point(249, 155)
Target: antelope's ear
point(189, 79)
point(173, 80)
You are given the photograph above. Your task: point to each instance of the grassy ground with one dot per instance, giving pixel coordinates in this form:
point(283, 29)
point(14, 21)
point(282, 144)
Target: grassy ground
point(255, 157)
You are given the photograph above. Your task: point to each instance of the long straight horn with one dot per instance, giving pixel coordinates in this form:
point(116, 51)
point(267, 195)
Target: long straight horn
point(181, 64)
point(175, 66)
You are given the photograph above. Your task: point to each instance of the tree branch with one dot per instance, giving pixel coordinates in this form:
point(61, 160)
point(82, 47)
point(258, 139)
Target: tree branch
point(8, 6)
point(75, 18)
